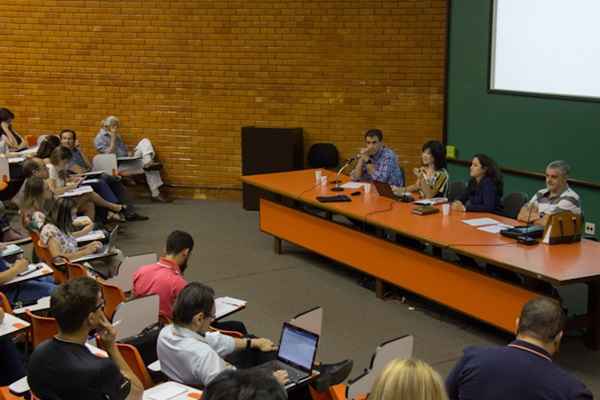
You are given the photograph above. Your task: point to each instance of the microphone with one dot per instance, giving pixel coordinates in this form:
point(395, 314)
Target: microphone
point(525, 238)
point(337, 180)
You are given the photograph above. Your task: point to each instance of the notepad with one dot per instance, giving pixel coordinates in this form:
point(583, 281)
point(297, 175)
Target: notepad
point(480, 221)
point(167, 391)
point(354, 185)
point(81, 190)
point(93, 235)
point(11, 250)
point(227, 305)
point(495, 228)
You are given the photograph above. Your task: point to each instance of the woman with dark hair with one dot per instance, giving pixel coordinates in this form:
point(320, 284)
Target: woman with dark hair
point(10, 137)
point(58, 234)
point(484, 190)
point(47, 146)
point(432, 177)
point(59, 183)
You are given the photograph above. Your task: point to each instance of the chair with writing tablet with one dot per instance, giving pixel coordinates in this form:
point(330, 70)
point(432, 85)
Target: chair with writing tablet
point(135, 315)
point(42, 328)
point(113, 296)
point(106, 163)
point(310, 320)
point(134, 360)
point(124, 279)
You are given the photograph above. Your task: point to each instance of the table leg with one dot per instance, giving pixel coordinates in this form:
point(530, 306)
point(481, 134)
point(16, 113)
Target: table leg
point(592, 339)
point(379, 288)
point(277, 245)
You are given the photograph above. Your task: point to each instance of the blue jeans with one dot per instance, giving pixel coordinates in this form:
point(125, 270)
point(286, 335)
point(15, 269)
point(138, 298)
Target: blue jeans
point(30, 291)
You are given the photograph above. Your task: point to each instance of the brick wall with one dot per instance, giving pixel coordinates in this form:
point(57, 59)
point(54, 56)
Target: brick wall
point(188, 74)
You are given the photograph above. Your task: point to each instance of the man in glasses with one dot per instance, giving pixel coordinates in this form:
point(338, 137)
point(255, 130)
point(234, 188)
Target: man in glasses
point(64, 368)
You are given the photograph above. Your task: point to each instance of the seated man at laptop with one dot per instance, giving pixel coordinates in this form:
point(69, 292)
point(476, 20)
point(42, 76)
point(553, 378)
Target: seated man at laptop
point(556, 197)
point(190, 354)
point(376, 162)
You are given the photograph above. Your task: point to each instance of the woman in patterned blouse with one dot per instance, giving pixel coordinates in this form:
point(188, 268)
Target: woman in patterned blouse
point(432, 177)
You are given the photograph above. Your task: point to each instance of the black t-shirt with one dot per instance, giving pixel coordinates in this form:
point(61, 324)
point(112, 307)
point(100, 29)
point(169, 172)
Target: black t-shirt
point(63, 370)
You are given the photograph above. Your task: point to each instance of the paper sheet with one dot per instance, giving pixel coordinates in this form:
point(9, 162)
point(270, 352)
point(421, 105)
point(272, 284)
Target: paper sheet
point(93, 235)
point(166, 391)
point(495, 228)
point(480, 221)
point(11, 250)
point(353, 185)
point(12, 324)
point(77, 192)
point(227, 305)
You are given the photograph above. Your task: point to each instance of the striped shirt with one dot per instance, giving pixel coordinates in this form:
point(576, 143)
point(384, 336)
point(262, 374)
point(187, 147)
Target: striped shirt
point(568, 200)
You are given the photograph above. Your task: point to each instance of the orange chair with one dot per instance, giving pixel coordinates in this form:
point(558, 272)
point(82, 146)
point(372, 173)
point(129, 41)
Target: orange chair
point(135, 362)
point(5, 394)
point(42, 328)
point(5, 304)
point(44, 255)
point(75, 271)
point(113, 296)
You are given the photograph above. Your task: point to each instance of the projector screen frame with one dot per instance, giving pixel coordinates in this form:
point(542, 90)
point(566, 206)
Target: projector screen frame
point(491, 54)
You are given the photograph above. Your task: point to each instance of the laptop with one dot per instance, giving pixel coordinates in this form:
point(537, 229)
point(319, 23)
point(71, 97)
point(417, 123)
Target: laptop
point(385, 190)
point(105, 250)
point(296, 354)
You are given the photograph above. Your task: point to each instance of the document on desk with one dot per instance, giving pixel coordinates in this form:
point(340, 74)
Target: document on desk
point(172, 391)
point(480, 221)
point(227, 305)
point(43, 303)
point(93, 235)
point(495, 228)
point(77, 192)
point(16, 160)
point(12, 324)
point(354, 185)
point(11, 250)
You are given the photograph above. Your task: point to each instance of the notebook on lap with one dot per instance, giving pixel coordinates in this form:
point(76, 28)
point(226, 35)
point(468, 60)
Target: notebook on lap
point(296, 354)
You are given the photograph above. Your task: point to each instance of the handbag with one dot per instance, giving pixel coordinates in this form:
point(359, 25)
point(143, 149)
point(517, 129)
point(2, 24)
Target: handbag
point(563, 227)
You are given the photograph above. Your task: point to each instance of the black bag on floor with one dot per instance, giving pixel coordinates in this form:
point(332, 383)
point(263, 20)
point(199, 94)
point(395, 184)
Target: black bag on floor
point(145, 343)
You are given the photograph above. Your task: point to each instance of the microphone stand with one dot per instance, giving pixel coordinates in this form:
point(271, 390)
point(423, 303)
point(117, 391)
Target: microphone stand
point(337, 181)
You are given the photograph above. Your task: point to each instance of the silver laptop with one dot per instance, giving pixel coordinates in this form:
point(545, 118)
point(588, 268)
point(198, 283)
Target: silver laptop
point(106, 249)
point(296, 354)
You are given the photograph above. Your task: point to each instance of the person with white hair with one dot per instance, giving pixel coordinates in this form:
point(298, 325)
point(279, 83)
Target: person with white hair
point(109, 140)
point(556, 197)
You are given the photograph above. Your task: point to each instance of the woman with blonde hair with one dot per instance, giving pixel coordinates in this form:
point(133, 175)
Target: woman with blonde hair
point(410, 379)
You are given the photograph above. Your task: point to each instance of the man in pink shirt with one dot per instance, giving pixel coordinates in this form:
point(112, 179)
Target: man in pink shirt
point(165, 277)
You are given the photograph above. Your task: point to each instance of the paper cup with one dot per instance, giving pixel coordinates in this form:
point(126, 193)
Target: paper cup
point(323, 180)
point(367, 188)
point(318, 176)
point(446, 209)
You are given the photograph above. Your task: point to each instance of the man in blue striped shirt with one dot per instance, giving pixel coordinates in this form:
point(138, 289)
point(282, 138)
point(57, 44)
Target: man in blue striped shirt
point(377, 162)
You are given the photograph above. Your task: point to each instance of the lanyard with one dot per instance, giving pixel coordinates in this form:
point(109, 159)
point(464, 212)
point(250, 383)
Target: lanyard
point(537, 353)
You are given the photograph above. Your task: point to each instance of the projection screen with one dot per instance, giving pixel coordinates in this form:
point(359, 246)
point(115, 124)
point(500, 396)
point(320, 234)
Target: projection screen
point(546, 47)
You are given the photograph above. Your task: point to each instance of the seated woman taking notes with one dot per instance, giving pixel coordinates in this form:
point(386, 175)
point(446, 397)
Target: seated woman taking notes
point(484, 190)
point(432, 177)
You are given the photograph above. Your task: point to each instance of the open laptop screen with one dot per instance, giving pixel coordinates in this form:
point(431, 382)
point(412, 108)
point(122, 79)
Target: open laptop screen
point(298, 347)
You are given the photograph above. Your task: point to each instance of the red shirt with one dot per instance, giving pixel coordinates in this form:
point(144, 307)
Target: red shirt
point(163, 278)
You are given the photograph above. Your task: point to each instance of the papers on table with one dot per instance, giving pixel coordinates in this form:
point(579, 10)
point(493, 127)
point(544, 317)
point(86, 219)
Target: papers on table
point(20, 387)
point(431, 202)
point(172, 391)
point(495, 228)
point(128, 158)
point(354, 185)
point(16, 160)
point(43, 303)
point(93, 235)
point(227, 305)
point(11, 250)
point(12, 324)
point(89, 181)
point(33, 271)
point(77, 192)
point(481, 221)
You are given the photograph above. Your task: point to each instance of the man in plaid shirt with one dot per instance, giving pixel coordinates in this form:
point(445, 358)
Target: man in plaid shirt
point(376, 162)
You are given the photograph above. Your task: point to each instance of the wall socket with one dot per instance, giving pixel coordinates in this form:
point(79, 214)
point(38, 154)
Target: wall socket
point(590, 228)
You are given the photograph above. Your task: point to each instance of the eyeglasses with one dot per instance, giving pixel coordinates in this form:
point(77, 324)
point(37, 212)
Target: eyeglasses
point(100, 306)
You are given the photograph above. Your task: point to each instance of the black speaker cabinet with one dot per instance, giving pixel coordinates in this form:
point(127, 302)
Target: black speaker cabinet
point(267, 150)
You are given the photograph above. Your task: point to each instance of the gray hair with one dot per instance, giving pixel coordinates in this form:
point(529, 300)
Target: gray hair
point(110, 121)
point(560, 165)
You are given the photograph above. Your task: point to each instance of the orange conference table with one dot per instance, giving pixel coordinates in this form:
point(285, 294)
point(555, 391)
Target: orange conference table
point(475, 294)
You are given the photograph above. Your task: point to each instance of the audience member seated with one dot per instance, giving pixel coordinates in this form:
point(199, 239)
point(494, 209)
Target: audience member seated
point(522, 370)
point(484, 190)
point(64, 368)
point(26, 292)
point(557, 196)
point(109, 187)
point(432, 177)
point(408, 380)
point(36, 197)
point(31, 167)
point(109, 141)
point(46, 147)
point(244, 385)
point(190, 354)
point(59, 236)
point(12, 367)
point(59, 183)
point(9, 137)
point(165, 278)
point(377, 162)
